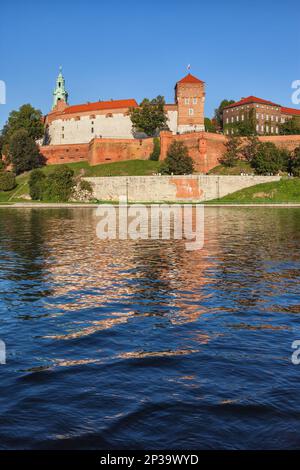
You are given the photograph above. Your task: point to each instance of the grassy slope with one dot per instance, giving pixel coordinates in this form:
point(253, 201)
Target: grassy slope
point(283, 191)
point(125, 168)
point(241, 167)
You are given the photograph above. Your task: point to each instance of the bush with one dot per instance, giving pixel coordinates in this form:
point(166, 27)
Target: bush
point(178, 161)
point(37, 184)
point(59, 184)
point(7, 181)
point(156, 150)
point(269, 159)
point(85, 186)
point(24, 153)
point(295, 162)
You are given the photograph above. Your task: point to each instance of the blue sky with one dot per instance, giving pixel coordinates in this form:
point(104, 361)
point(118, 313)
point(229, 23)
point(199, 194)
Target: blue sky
point(136, 49)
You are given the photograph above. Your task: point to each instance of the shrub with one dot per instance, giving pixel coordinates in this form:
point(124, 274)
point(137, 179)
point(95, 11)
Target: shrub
point(178, 161)
point(156, 150)
point(295, 162)
point(269, 159)
point(37, 184)
point(85, 186)
point(7, 181)
point(59, 184)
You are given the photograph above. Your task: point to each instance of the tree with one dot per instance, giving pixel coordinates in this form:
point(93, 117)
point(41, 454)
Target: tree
point(24, 154)
point(150, 117)
point(250, 148)
point(268, 159)
point(26, 118)
point(210, 125)
point(219, 112)
point(295, 162)
point(37, 184)
point(233, 151)
point(7, 181)
point(290, 126)
point(177, 161)
point(59, 184)
point(156, 150)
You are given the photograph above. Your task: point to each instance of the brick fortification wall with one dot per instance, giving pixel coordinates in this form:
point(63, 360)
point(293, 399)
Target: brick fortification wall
point(205, 148)
point(65, 153)
point(115, 150)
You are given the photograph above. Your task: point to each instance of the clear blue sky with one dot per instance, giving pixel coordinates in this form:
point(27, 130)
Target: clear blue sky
point(136, 49)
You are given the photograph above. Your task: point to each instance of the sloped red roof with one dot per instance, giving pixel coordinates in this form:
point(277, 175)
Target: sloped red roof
point(190, 79)
point(292, 111)
point(100, 105)
point(251, 99)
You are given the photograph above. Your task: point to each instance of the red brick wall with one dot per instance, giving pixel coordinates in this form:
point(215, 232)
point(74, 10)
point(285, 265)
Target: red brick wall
point(65, 153)
point(204, 148)
point(114, 150)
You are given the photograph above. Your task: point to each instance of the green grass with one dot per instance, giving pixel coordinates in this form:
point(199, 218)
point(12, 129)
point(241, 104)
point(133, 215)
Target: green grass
point(284, 191)
point(241, 167)
point(124, 168)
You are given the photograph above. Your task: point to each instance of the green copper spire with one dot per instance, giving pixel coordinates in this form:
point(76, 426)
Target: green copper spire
point(60, 93)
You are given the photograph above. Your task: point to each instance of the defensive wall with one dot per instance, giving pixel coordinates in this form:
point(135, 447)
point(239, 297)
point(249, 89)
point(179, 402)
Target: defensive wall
point(193, 188)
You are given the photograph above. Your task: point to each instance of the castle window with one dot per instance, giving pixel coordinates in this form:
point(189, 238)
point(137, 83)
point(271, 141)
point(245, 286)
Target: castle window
point(63, 136)
point(194, 100)
point(92, 116)
point(77, 118)
point(109, 115)
point(243, 117)
point(92, 130)
point(191, 112)
point(186, 101)
point(62, 128)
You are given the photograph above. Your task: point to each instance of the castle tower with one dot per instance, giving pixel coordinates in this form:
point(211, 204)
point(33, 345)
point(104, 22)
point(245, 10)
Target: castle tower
point(190, 98)
point(60, 93)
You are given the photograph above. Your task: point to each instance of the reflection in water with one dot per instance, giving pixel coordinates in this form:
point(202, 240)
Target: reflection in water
point(121, 344)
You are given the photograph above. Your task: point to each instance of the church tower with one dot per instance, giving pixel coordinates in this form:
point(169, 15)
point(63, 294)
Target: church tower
point(60, 93)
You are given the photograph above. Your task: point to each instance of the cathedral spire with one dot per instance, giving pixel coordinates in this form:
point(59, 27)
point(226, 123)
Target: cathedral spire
point(60, 93)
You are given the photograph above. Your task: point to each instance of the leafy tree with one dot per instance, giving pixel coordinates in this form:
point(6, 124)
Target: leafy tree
point(150, 117)
point(177, 161)
point(219, 112)
point(250, 148)
point(156, 150)
point(37, 184)
point(233, 151)
point(24, 153)
point(268, 159)
point(210, 125)
point(290, 126)
point(26, 118)
point(295, 162)
point(7, 181)
point(59, 184)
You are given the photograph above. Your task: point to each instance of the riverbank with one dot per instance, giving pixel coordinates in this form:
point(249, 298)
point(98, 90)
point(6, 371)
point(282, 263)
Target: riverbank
point(75, 205)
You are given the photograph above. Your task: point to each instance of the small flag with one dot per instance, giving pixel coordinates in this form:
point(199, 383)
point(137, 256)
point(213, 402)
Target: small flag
point(188, 67)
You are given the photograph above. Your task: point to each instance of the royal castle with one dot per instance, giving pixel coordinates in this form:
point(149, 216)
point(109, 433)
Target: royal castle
point(110, 119)
point(102, 131)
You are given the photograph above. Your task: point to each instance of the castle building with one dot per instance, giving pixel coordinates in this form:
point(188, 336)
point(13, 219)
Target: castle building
point(79, 124)
point(268, 116)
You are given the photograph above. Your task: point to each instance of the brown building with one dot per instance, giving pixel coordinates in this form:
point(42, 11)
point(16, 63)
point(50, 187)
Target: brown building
point(265, 115)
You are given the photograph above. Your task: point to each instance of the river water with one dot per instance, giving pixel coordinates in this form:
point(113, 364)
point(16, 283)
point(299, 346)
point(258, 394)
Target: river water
point(144, 345)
